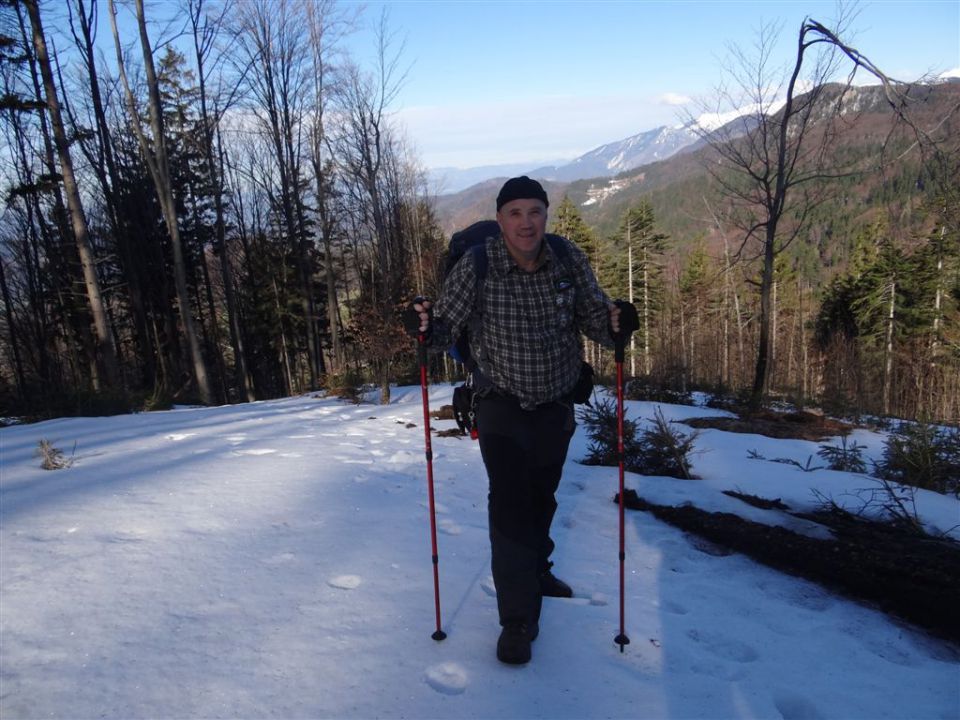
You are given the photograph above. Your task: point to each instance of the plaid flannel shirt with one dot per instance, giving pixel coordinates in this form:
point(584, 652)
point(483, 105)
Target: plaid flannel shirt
point(525, 330)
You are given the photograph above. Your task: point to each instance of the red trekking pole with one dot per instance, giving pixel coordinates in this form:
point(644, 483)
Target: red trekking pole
point(422, 357)
point(628, 323)
point(622, 638)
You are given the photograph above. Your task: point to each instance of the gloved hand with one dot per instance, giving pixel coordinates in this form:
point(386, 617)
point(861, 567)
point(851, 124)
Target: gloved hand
point(417, 317)
point(623, 320)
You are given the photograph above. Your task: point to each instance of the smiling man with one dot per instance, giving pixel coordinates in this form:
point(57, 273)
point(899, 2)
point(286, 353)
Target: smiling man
point(526, 313)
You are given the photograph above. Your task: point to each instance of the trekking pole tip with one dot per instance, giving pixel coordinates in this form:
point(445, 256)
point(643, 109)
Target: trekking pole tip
point(621, 640)
point(439, 635)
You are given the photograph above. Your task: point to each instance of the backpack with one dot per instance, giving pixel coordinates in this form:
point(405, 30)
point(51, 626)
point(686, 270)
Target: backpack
point(473, 239)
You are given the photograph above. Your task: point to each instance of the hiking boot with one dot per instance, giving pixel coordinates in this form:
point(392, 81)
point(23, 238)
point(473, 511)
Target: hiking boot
point(513, 647)
point(552, 586)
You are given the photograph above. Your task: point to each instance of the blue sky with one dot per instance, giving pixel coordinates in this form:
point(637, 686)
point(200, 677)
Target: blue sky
point(503, 82)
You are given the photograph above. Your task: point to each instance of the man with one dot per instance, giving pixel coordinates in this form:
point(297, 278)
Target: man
point(525, 324)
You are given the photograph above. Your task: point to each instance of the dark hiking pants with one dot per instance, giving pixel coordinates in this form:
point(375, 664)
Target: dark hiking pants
point(524, 452)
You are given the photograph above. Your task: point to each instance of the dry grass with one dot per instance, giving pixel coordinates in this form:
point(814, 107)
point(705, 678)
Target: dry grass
point(797, 425)
point(51, 457)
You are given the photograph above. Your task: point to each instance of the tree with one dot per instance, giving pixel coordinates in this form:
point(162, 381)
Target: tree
point(98, 148)
point(694, 286)
point(645, 247)
point(155, 155)
point(205, 29)
point(326, 27)
point(774, 161)
point(372, 171)
point(78, 220)
point(568, 222)
point(273, 40)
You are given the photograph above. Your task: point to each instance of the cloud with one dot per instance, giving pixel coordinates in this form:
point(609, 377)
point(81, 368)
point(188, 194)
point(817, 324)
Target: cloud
point(545, 128)
point(674, 99)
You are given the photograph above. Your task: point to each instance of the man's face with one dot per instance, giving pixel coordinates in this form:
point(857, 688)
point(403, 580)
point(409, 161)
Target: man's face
point(523, 223)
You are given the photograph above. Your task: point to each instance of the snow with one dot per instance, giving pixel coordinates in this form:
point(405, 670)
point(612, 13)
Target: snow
point(711, 121)
point(272, 559)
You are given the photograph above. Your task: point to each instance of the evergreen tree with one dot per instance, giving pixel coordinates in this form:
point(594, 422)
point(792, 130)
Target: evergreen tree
point(641, 249)
point(569, 223)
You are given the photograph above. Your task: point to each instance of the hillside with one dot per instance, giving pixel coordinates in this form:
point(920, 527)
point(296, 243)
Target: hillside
point(677, 187)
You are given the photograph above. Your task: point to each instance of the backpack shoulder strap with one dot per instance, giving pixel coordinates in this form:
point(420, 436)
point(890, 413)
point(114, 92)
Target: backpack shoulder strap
point(561, 248)
point(480, 262)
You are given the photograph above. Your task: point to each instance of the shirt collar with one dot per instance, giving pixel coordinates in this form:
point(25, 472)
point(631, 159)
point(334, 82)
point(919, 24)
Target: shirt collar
point(505, 263)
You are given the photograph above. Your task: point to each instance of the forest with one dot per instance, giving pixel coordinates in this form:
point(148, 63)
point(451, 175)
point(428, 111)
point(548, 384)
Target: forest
point(236, 216)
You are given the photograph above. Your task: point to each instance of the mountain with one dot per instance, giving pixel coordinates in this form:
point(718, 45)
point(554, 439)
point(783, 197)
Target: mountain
point(677, 185)
point(617, 157)
point(604, 161)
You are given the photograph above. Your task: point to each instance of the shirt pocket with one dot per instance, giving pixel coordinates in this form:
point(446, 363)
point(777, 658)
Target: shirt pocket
point(564, 303)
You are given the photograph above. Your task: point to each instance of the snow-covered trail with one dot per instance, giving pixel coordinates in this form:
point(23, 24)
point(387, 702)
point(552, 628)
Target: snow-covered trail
point(273, 560)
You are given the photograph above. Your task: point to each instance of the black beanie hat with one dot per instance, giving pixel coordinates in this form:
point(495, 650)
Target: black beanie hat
point(521, 188)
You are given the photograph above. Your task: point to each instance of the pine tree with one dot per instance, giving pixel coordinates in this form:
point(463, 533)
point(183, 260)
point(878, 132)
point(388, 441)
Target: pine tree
point(569, 223)
point(641, 252)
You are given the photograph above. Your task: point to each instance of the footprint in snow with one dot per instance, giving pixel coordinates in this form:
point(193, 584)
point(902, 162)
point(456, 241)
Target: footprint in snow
point(449, 678)
point(794, 707)
point(405, 457)
point(724, 647)
point(179, 436)
point(488, 587)
point(449, 527)
point(674, 608)
point(345, 582)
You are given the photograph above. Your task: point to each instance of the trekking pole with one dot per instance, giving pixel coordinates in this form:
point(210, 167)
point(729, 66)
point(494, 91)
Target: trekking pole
point(422, 357)
point(619, 344)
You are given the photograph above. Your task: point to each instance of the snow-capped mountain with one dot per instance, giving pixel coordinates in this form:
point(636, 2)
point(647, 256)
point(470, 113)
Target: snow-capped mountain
point(616, 157)
point(606, 160)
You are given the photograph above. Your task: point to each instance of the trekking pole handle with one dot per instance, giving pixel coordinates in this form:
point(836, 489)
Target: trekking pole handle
point(619, 348)
point(628, 324)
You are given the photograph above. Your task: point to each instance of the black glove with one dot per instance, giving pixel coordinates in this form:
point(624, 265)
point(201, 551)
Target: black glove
point(629, 322)
point(411, 318)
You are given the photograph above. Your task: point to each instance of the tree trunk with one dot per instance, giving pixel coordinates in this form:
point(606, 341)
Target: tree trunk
point(243, 377)
point(21, 380)
point(157, 165)
point(106, 171)
point(210, 125)
point(763, 346)
point(101, 323)
point(888, 362)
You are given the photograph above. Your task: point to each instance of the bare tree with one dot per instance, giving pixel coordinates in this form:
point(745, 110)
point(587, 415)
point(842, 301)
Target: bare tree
point(774, 162)
point(370, 162)
point(326, 26)
point(205, 29)
point(273, 37)
point(155, 156)
point(78, 221)
point(101, 156)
